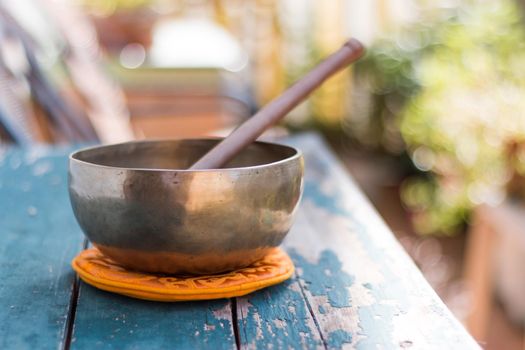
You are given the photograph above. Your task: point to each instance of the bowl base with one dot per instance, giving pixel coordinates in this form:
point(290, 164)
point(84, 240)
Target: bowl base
point(182, 263)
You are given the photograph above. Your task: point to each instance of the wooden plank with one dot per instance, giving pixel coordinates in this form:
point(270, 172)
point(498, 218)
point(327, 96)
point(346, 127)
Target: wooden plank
point(277, 317)
point(38, 238)
point(109, 321)
point(361, 287)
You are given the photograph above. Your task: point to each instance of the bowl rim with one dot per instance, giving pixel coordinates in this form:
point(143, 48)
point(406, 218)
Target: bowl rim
point(72, 156)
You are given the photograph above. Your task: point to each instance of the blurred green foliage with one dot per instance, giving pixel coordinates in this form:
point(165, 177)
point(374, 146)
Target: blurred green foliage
point(464, 123)
point(388, 72)
point(455, 89)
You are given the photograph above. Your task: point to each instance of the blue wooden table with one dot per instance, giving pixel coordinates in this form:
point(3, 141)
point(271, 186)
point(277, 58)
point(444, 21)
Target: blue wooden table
point(354, 285)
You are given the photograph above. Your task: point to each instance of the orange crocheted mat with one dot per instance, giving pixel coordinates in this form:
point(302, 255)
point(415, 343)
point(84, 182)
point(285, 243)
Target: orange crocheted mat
point(101, 272)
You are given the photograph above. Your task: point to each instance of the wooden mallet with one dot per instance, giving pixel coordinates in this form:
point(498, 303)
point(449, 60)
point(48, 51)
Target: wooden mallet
point(270, 114)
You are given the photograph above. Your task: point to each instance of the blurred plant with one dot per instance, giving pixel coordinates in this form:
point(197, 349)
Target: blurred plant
point(388, 74)
point(465, 126)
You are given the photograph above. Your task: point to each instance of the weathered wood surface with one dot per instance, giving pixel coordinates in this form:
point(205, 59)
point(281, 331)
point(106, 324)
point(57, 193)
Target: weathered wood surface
point(361, 288)
point(38, 238)
point(354, 286)
point(109, 321)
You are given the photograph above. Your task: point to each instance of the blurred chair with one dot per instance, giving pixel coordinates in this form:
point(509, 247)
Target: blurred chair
point(53, 89)
point(71, 97)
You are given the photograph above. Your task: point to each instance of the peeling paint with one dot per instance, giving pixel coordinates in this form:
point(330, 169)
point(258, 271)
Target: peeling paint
point(278, 315)
point(338, 338)
point(222, 313)
point(279, 324)
point(334, 284)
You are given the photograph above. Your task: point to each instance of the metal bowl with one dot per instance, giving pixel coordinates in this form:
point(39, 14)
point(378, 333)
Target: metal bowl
point(136, 204)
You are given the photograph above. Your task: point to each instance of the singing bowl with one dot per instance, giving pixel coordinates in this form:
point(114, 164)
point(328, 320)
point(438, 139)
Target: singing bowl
point(139, 206)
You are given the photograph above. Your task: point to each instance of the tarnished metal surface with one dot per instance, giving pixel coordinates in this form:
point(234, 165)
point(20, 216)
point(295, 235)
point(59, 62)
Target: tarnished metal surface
point(137, 209)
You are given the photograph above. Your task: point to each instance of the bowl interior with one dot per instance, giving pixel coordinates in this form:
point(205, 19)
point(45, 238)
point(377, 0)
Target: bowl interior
point(178, 154)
